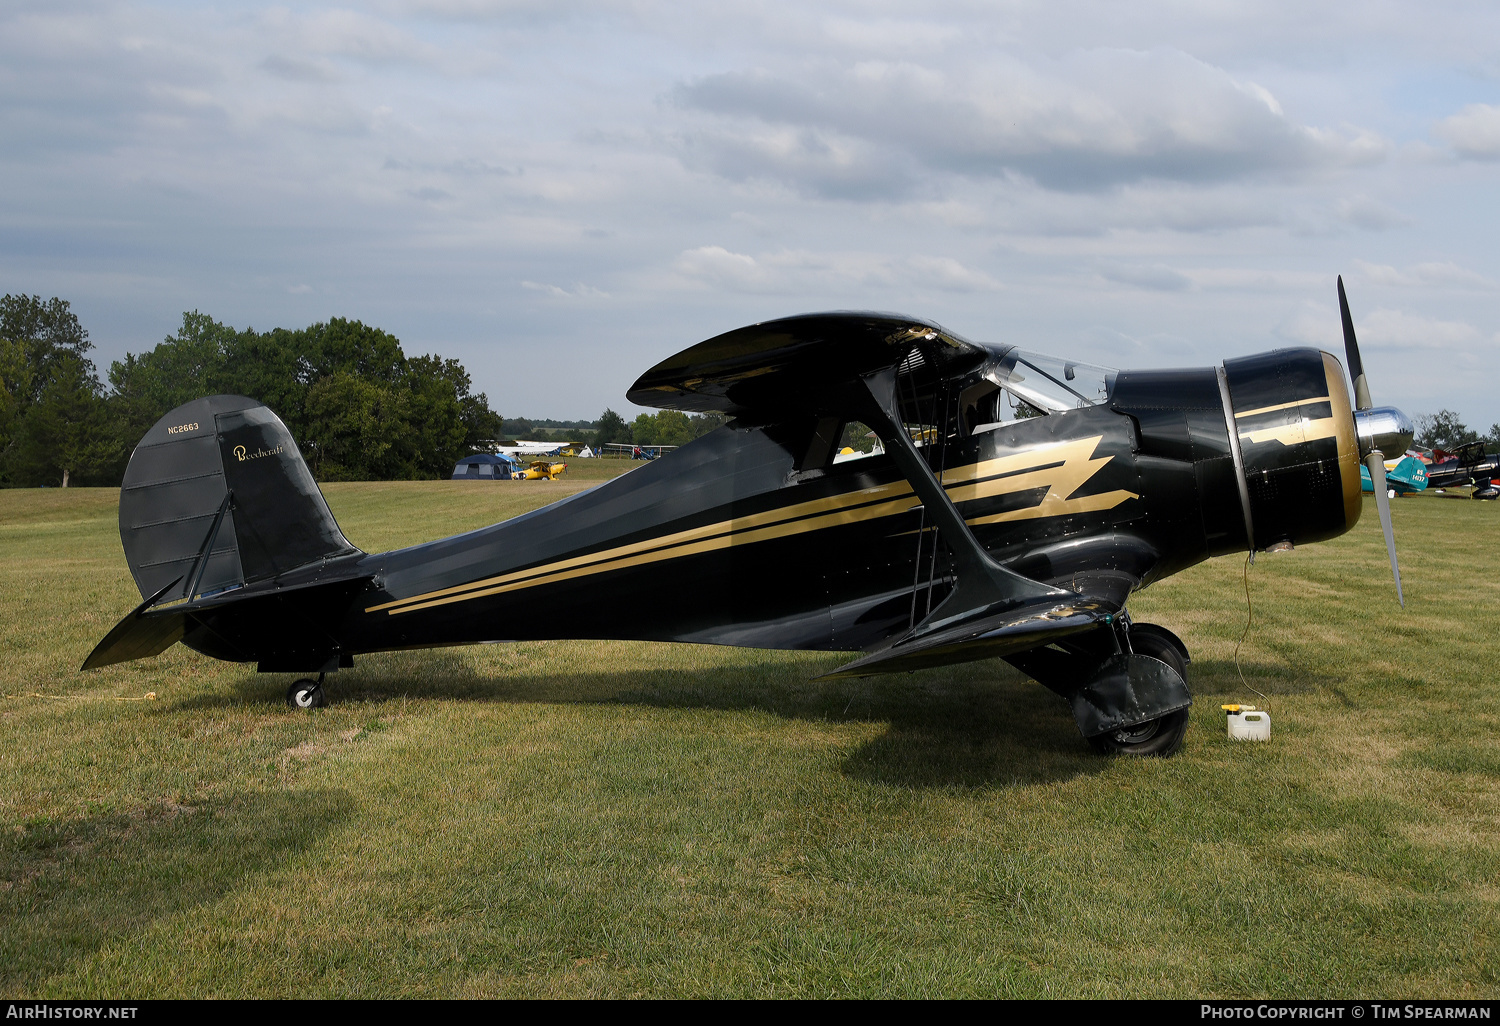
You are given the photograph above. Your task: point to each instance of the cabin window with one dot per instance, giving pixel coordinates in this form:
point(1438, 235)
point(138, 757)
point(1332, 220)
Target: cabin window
point(987, 406)
point(1051, 385)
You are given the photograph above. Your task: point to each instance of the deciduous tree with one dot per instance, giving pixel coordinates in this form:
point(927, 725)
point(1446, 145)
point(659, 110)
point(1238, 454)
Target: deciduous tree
point(65, 433)
point(611, 427)
point(1443, 430)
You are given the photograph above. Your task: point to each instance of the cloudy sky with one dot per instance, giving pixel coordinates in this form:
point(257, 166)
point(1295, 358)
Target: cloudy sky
point(537, 184)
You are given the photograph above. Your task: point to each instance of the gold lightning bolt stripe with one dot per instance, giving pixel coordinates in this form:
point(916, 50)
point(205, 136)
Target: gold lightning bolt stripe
point(1060, 466)
point(1060, 482)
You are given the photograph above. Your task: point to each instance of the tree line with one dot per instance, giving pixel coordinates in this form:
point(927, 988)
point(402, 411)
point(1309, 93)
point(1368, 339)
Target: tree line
point(359, 407)
point(1445, 430)
point(666, 427)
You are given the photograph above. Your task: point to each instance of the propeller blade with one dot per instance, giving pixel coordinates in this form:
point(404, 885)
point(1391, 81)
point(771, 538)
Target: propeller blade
point(1376, 462)
point(1351, 350)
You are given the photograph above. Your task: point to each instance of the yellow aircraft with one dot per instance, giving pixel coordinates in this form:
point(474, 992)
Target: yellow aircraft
point(541, 470)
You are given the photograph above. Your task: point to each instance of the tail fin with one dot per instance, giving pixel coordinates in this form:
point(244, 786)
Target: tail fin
point(217, 496)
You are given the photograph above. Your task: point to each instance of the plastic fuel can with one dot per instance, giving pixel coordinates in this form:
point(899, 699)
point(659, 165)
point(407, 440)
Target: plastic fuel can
point(1247, 723)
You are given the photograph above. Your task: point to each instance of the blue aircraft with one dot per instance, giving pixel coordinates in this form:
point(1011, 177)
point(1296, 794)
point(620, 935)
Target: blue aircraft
point(1402, 476)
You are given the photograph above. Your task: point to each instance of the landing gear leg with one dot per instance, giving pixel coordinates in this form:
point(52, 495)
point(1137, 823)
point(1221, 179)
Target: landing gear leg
point(307, 693)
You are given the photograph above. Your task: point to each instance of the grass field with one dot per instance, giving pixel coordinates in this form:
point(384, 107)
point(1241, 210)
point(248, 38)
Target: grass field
point(572, 819)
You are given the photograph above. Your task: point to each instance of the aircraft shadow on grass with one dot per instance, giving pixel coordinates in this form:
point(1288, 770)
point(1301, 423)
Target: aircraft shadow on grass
point(70, 888)
point(978, 726)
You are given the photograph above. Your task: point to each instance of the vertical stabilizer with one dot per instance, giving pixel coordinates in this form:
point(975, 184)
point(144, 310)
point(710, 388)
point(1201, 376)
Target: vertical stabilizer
point(217, 496)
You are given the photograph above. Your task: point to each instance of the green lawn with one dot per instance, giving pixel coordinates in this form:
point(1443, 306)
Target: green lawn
point(576, 818)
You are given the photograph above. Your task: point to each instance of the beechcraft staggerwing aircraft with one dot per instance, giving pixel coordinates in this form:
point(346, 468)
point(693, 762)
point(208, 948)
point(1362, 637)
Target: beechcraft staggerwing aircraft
point(968, 534)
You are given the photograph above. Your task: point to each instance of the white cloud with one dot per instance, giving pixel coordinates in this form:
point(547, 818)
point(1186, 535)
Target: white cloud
point(1473, 132)
point(1157, 277)
point(947, 274)
point(1090, 121)
point(1383, 329)
point(1397, 329)
point(347, 33)
point(578, 291)
point(1369, 214)
point(1426, 275)
point(297, 69)
point(802, 272)
point(825, 163)
point(1257, 279)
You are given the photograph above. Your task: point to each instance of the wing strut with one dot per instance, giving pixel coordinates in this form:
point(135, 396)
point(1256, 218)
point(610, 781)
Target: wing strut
point(991, 610)
point(984, 586)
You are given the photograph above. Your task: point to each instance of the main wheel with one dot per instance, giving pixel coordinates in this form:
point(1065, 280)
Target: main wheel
point(1161, 736)
point(306, 694)
point(1147, 642)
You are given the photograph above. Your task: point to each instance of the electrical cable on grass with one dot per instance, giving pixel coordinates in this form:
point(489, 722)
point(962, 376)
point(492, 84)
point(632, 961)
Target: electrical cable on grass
point(1249, 619)
point(149, 696)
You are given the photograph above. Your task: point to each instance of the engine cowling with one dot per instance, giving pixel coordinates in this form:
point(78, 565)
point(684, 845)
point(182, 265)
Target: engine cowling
point(1298, 445)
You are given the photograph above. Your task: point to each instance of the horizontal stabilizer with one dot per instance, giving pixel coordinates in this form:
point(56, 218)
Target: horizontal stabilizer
point(288, 621)
point(139, 636)
point(981, 637)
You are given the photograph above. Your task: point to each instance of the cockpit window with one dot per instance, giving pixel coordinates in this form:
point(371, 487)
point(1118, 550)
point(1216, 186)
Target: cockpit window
point(855, 442)
point(1052, 385)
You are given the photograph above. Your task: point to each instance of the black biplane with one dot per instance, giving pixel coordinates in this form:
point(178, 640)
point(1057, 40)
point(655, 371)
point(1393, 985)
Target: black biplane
point(1467, 464)
point(969, 533)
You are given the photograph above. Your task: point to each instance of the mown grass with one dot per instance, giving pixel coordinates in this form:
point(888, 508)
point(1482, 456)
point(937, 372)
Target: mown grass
point(568, 819)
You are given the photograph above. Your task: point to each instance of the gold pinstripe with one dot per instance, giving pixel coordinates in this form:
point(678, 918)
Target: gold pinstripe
point(1303, 430)
point(1283, 406)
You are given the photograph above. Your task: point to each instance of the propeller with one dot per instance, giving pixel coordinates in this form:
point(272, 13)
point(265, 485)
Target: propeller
point(1378, 429)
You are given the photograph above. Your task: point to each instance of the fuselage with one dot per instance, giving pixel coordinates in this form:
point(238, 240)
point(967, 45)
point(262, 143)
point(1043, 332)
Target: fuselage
point(765, 535)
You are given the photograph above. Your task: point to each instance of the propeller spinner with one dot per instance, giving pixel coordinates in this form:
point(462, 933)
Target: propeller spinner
point(1381, 429)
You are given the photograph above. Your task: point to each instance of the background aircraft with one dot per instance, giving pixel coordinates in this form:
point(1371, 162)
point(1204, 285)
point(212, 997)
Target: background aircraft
point(1467, 465)
point(524, 450)
point(973, 534)
point(541, 470)
point(1403, 476)
point(635, 452)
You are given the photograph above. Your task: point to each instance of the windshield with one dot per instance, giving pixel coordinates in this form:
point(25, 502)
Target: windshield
point(1054, 385)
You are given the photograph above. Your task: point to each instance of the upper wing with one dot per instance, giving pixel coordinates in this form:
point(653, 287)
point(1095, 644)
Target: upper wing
point(795, 365)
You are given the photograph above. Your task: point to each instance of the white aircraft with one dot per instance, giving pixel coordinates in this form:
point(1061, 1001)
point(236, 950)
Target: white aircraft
point(524, 448)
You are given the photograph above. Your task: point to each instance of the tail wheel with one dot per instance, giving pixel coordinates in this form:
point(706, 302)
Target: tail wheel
point(306, 694)
point(1162, 736)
